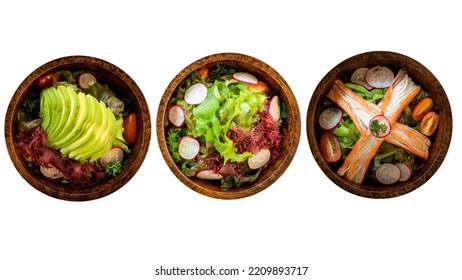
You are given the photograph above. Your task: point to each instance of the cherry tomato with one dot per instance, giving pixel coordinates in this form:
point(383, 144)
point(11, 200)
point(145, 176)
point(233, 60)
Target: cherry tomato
point(203, 72)
point(330, 147)
point(48, 80)
point(424, 106)
point(130, 128)
point(429, 123)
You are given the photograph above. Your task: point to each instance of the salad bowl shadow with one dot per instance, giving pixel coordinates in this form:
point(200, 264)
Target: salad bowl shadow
point(289, 130)
point(440, 140)
point(120, 83)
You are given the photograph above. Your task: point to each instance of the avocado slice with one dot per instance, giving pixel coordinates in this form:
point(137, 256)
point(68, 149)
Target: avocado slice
point(74, 107)
point(77, 124)
point(96, 142)
point(108, 136)
point(86, 127)
point(45, 110)
point(81, 144)
point(105, 135)
point(50, 96)
point(62, 114)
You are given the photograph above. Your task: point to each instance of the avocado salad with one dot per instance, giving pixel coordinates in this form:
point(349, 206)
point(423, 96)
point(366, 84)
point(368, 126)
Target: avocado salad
point(74, 130)
point(224, 126)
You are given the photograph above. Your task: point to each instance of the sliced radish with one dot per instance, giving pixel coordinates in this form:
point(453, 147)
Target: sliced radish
point(379, 76)
point(380, 126)
point(245, 77)
point(86, 79)
point(195, 94)
point(359, 77)
point(388, 174)
point(188, 147)
point(51, 172)
point(406, 171)
point(114, 154)
point(209, 175)
point(330, 118)
point(176, 115)
point(259, 159)
point(275, 108)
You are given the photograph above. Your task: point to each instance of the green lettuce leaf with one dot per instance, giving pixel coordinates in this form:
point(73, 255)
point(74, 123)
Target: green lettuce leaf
point(347, 133)
point(227, 104)
point(374, 95)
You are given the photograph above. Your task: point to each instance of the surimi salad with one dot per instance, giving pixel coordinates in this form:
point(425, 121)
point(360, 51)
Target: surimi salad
point(74, 130)
point(224, 126)
point(377, 125)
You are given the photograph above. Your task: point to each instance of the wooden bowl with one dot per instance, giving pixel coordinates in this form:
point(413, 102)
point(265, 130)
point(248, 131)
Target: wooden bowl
point(421, 76)
point(290, 129)
point(120, 83)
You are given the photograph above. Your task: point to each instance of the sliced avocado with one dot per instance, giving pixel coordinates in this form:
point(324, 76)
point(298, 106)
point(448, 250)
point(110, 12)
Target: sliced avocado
point(96, 144)
point(81, 143)
point(49, 96)
point(87, 126)
point(45, 110)
point(64, 117)
point(108, 136)
point(74, 107)
point(77, 127)
point(58, 117)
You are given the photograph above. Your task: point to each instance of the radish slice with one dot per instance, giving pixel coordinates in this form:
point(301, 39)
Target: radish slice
point(259, 159)
point(114, 154)
point(209, 175)
point(380, 126)
point(51, 172)
point(245, 77)
point(275, 108)
point(195, 94)
point(86, 79)
point(379, 76)
point(188, 147)
point(388, 174)
point(359, 77)
point(330, 118)
point(406, 171)
point(176, 115)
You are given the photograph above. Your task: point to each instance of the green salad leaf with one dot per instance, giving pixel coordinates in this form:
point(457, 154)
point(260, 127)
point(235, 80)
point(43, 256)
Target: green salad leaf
point(347, 133)
point(374, 95)
point(173, 138)
point(389, 153)
point(227, 104)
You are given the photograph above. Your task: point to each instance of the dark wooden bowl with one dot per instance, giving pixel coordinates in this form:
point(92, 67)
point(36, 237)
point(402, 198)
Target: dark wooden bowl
point(421, 76)
point(290, 128)
point(120, 83)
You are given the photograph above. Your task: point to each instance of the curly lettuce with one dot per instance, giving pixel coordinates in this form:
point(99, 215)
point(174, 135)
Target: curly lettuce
point(227, 104)
point(347, 133)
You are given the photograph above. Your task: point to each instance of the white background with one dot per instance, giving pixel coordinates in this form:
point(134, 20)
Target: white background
point(301, 220)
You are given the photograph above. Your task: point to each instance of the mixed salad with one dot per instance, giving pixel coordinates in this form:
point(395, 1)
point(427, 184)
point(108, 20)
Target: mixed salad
point(74, 130)
point(376, 125)
point(224, 125)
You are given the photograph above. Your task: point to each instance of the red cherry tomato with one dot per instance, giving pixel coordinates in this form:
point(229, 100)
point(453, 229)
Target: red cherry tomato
point(48, 80)
point(130, 128)
point(330, 147)
point(203, 72)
